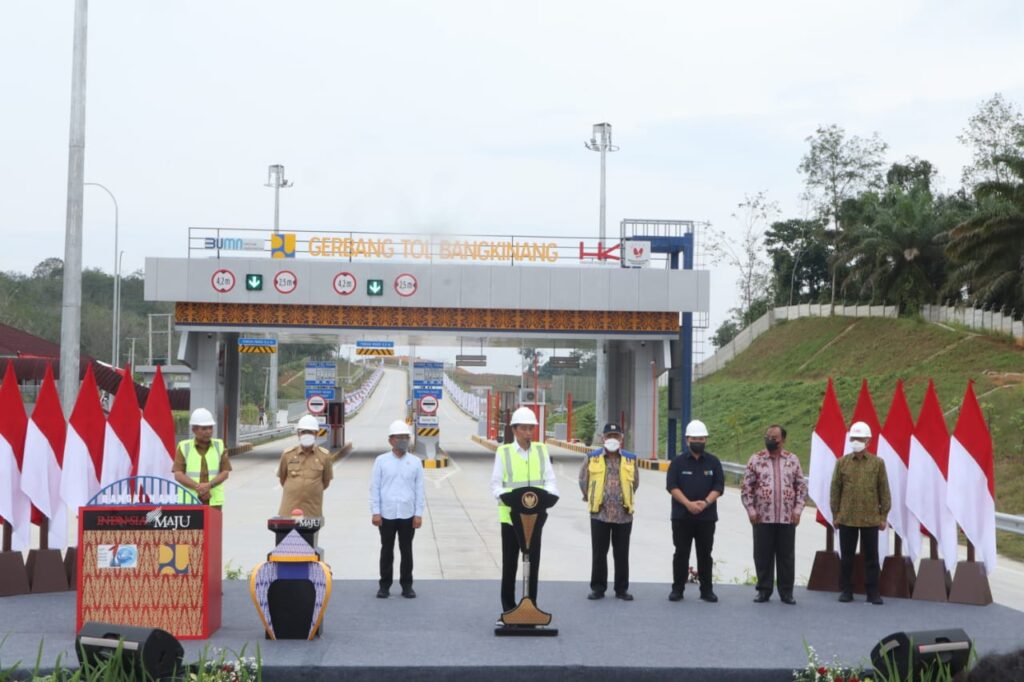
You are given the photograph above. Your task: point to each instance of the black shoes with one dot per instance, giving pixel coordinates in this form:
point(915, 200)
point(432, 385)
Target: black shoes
point(787, 599)
point(762, 597)
point(624, 596)
point(875, 599)
point(709, 597)
point(409, 593)
point(675, 595)
point(383, 593)
point(595, 595)
point(846, 597)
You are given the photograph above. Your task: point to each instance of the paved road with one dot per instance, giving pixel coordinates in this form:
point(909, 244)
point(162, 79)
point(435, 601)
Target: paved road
point(459, 538)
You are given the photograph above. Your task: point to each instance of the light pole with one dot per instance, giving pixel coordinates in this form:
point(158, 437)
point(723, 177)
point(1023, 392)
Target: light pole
point(601, 141)
point(115, 326)
point(275, 179)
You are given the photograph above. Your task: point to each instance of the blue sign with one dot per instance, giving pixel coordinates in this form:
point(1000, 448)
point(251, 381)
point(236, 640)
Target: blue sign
point(268, 343)
point(428, 365)
point(418, 393)
point(325, 393)
point(375, 344)
point(321, 364)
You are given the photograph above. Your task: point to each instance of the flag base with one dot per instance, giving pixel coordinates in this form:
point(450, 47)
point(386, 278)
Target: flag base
point(825, 572)
point(13, 577)
point(897, 577)
point(932, 581)
point(45, 569)
point(970, 586)
point(70, 567)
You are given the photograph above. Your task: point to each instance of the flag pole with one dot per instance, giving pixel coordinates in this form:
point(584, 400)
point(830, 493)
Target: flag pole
point(7, 536)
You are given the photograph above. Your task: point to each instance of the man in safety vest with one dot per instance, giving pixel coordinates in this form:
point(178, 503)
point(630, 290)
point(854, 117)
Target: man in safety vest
point(201, 463)
point(608, 480)
point(519, 464)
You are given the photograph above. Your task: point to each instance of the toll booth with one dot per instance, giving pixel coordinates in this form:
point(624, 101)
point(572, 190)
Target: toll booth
point(509, 401)
point(336, 423)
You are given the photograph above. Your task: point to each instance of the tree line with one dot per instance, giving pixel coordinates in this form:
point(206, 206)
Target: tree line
point(882, 233)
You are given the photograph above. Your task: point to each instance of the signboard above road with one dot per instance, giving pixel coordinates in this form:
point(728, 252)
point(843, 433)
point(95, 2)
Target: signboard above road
point(470, 360)
point(418, 393)
point(325, 392)
point(257, 345)
point(321, 373)
point(375, 348)
point(316, 404)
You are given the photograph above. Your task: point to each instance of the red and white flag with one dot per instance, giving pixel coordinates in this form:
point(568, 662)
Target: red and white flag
point(121, 440)
point(156, 438)
point(894, 449)
point(865, 412)
point(44, 456)
point(15, 506)
point(83, 447)
point(972, 482)
point(926, 477)
point(827, 443)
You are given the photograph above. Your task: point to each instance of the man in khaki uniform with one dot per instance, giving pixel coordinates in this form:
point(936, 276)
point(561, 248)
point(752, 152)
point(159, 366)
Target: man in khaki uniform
point(305, 472)
point(201, 463)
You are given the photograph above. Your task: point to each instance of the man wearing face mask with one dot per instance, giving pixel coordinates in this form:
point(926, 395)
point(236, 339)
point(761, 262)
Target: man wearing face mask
point(608, 481)
point(773, 494)
point(305, 472)
point(695, 481)
point(860, 503)
point(396, 503)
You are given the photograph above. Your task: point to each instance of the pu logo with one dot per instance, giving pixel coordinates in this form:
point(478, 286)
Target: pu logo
point(173, 560)
point(282, 245)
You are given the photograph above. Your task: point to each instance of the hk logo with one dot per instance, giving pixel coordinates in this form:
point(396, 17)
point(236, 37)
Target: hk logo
point(602, 254)
point(638, 252)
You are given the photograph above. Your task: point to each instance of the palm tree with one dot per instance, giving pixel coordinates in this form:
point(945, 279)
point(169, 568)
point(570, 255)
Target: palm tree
point(988, 248)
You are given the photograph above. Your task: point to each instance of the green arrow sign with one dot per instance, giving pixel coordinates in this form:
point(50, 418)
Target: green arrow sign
point(374, 287)
point(254, 282)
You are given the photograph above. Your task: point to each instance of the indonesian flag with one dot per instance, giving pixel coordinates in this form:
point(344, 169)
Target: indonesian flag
point(894, 449)
point(972, 488)
point(83, 447)
point(926, 477)
point(44, 455)
point(156, 436)
point(15, 506)
point(865, 412)
point(827, 443)
point(121, 440)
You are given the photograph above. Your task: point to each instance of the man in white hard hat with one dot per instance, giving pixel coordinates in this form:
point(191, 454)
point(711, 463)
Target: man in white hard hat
point(201, 463)
point(305, 471)
point(695, 480)
point(524, 462)
point(396, 505)
point(860, 503)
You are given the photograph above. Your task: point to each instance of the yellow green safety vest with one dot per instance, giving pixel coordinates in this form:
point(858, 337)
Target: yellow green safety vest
point(520, 473)
point(627, 474)
point(194, 463)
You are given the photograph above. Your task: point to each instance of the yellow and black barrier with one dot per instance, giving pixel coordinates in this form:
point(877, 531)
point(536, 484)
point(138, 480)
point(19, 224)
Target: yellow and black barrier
point(375, 351)
point(428, 431)
point(257, 349)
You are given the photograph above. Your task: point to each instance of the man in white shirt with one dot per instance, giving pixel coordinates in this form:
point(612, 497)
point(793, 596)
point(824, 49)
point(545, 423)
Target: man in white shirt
point(519, 464)
point(396, 502)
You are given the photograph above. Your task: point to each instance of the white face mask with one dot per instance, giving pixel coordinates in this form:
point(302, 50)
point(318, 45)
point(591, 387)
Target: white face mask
point(307, 440)
point(612, 445)
point(857, 446)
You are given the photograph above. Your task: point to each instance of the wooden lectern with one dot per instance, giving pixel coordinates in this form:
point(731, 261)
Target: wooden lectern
point(529, 512)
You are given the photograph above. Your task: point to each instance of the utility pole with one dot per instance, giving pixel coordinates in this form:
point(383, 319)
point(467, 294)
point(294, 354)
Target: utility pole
point(275, 179)
point(601, 141)
point(71, 306)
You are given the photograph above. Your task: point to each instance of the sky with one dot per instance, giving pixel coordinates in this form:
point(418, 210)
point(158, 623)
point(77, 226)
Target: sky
point(469, 116)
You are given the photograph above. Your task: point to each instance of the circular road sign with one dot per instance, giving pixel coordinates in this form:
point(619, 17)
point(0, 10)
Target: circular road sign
point(285, 282)
point(345, 283)
point(428, 404)
point(316, 404)
point(223, 281)
point(406, 285)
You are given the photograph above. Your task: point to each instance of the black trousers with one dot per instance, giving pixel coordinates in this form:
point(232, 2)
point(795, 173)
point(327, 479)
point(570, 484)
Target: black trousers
point(389, 528)
point(686, 532)
point(774, 547)
point(601, 535)
point(511, 555)
point(868, 547)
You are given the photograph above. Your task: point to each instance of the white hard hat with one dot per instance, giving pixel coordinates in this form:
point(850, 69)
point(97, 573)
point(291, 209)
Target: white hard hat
point(307, 423)
point(201, 417)
point(399, 428)
point(696, 429)
point(525, 416)
point(860, 430)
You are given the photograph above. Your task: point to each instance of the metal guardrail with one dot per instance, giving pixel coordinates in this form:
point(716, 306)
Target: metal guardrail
point(1006, 522)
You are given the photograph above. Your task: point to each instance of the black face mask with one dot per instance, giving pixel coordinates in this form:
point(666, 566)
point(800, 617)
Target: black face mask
point(771, 444)
point(697, 448)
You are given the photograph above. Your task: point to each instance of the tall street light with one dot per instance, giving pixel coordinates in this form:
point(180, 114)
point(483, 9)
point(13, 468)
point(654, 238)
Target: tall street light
point(601, 141)
point(115, 329)
point(275, 179)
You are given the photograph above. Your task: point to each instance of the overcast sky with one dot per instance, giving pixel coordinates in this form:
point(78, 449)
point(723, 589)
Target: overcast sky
point(468, 116)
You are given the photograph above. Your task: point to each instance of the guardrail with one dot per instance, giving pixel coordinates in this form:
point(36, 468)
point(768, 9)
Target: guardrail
point(1006, 522)
point(470, 403)
point(355, 400)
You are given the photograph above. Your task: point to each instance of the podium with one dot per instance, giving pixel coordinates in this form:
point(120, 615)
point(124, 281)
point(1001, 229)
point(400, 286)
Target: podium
point(153, 566)
point(292, 588)
point(529, 507)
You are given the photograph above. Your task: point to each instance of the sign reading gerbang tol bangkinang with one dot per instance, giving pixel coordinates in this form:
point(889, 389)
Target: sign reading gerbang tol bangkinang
point(386, 248)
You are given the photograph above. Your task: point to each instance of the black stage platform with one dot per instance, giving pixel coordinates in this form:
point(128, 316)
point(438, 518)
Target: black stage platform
point(448, 633)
